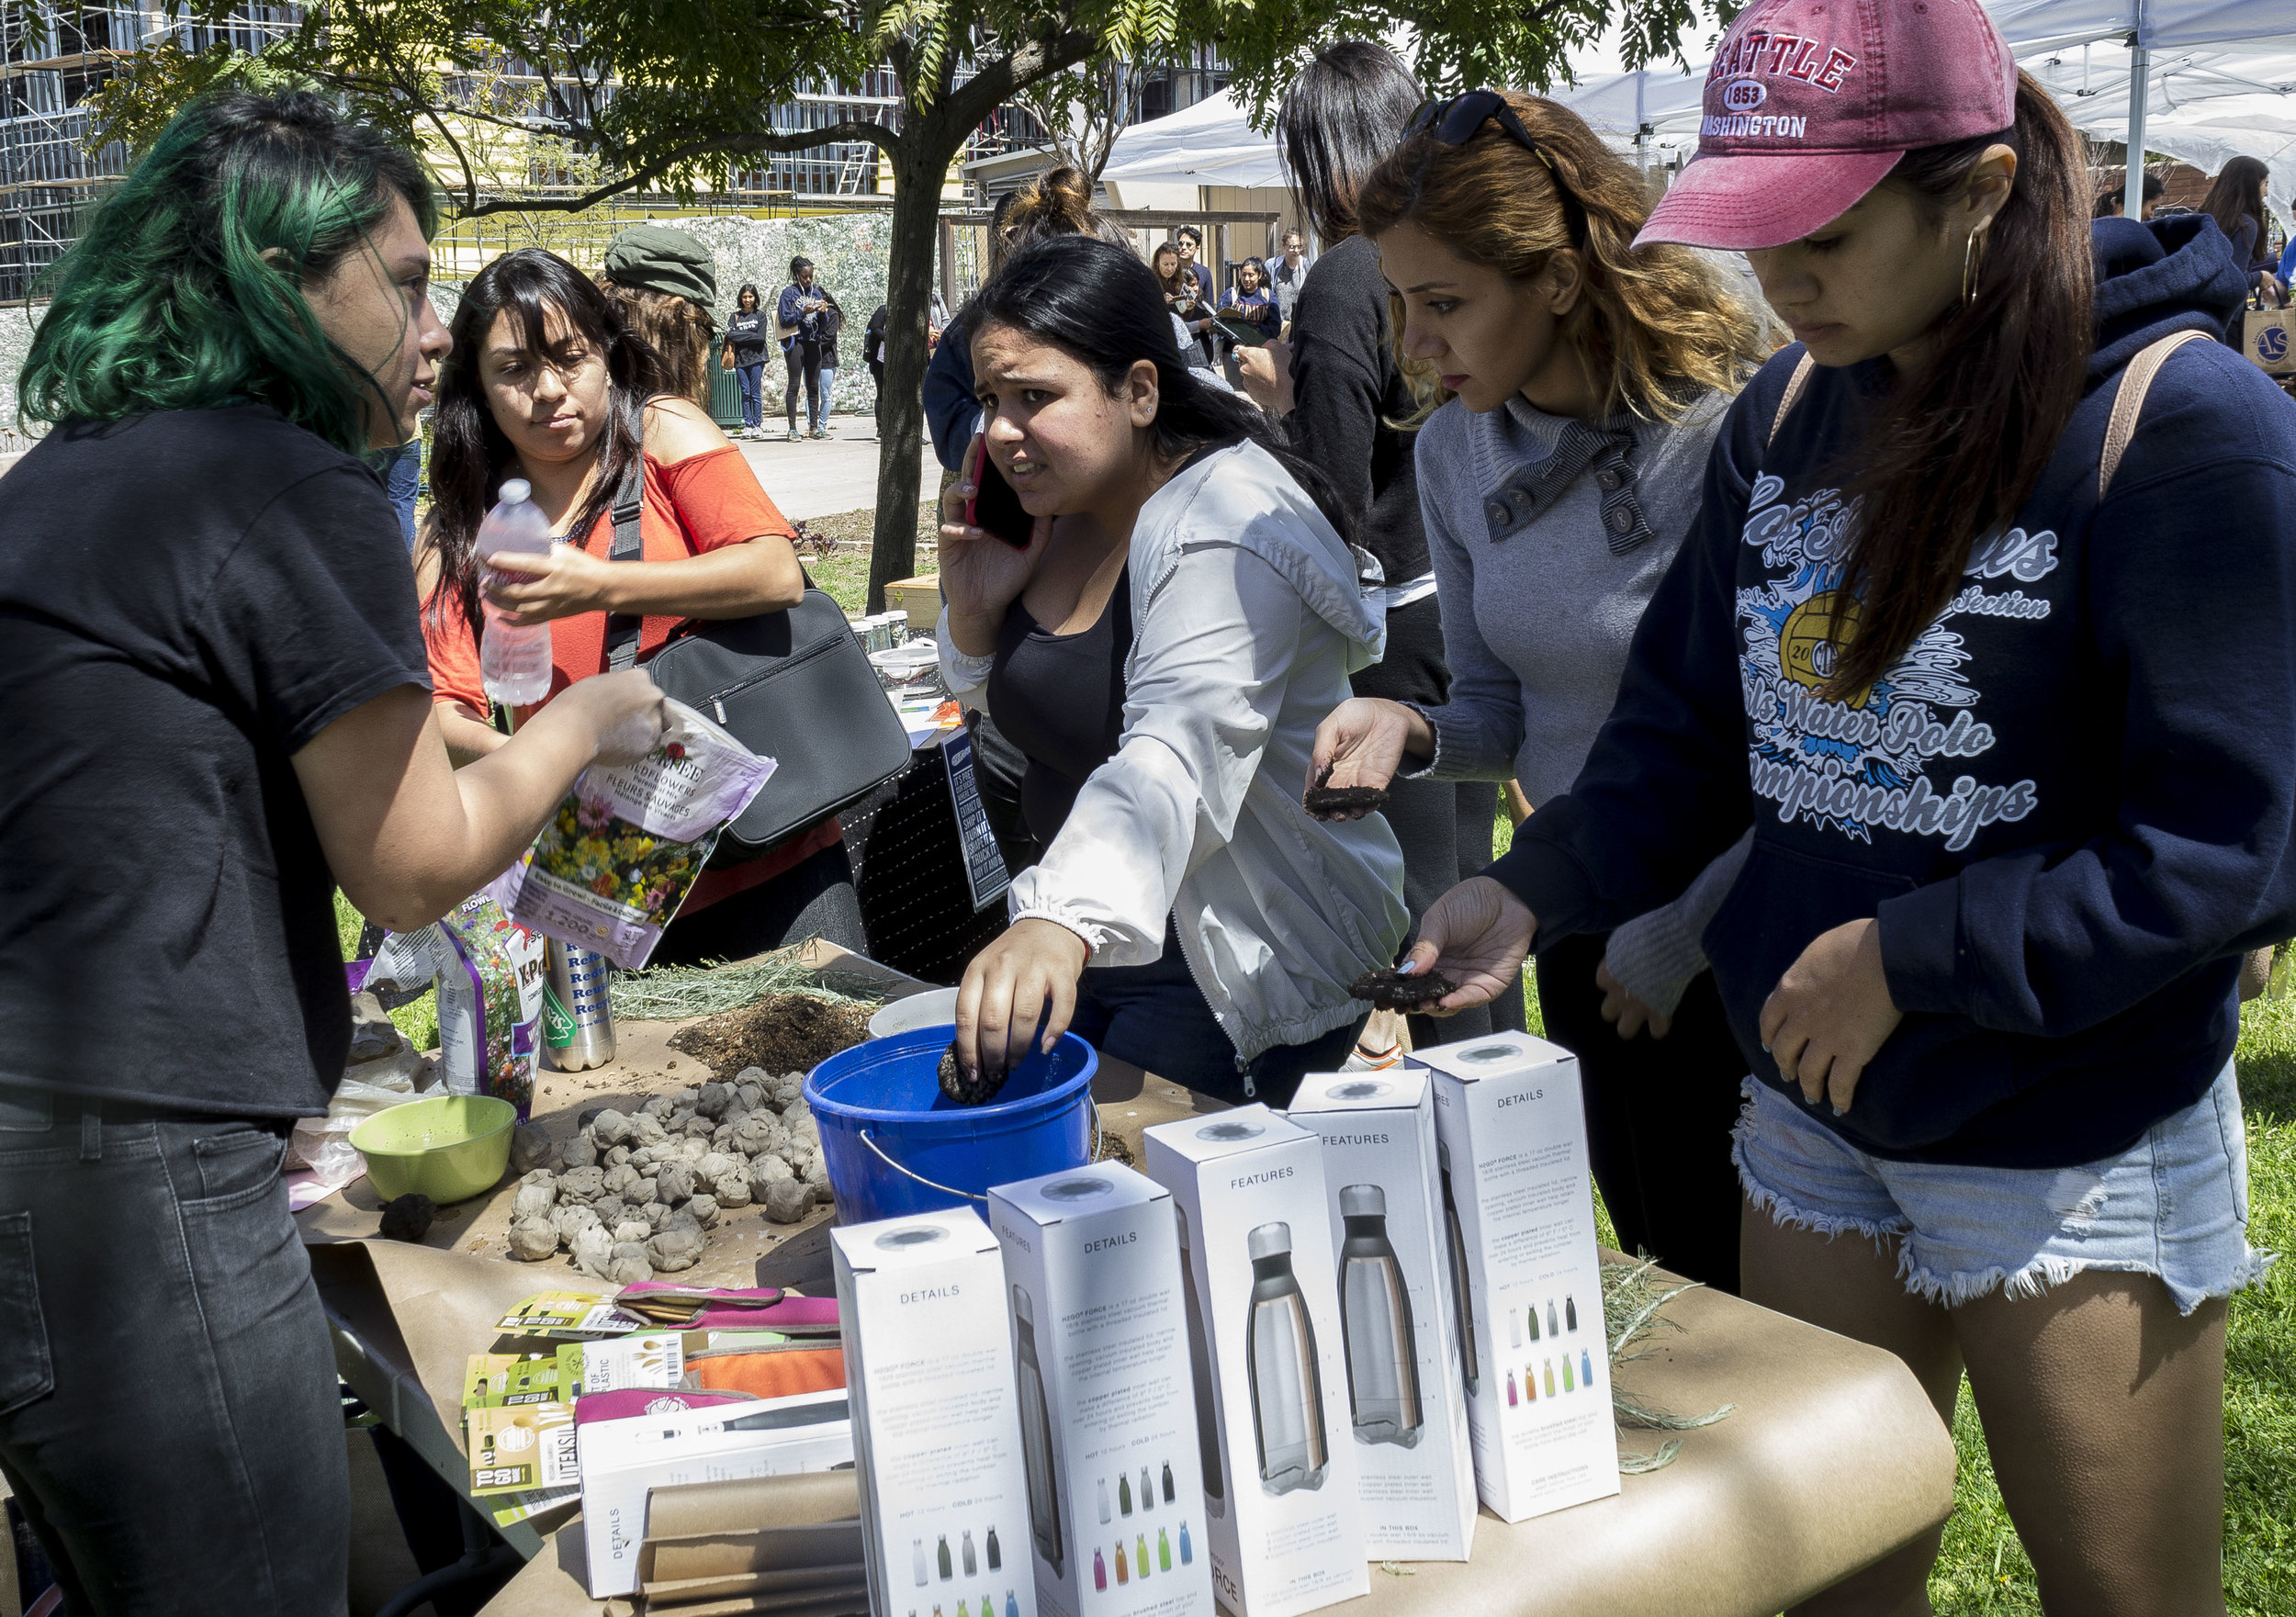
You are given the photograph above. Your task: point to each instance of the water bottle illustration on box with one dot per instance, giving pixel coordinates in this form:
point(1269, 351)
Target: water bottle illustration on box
point(514, 659)
point(1462, 1289)
point(1279, 1354)
point(1036, 1438)
point(1213, 1460)
point(1376, 1325)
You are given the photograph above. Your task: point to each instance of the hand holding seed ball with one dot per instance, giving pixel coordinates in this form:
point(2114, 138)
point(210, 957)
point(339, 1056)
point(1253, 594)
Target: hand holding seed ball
point(1359, 750)
point(976, 1089)
point(1398, 991)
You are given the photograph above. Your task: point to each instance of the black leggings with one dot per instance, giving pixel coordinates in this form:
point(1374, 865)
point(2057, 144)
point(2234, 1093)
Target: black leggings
point(1659, 1115)
point(804, 365)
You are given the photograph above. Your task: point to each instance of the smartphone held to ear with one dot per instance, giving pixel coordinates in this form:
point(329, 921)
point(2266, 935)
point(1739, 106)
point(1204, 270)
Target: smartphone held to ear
point(995, 509)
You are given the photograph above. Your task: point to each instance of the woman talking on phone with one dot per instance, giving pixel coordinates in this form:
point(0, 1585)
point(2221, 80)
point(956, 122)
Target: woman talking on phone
point(1158, 626)
point(1987, 631)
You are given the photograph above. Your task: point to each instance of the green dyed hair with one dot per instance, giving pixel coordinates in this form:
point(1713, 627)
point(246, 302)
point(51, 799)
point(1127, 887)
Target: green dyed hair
point(168, 302)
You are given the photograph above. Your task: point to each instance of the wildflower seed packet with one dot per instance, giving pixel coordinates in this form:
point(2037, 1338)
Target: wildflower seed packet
point(624, 850)
point(490, 1003)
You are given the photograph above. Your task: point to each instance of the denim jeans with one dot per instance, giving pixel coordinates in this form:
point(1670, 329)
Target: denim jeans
point(403, 480)
point(1154, 1016)
point(821, 410)
point(169, 1416)
point(752, 379)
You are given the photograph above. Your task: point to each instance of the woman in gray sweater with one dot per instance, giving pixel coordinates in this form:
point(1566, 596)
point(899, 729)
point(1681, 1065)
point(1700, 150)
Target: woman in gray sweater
point(1586, 381)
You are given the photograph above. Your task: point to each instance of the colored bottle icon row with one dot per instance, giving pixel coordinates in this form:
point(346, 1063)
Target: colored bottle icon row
point(948, 1562)
point(987, 1608)
point(1557, 1324)
point(1145, 1500)
point(1584, 1379)
point(1135, 1563)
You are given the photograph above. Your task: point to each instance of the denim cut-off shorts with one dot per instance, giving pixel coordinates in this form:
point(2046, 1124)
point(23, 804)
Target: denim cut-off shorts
point(2174, 1205)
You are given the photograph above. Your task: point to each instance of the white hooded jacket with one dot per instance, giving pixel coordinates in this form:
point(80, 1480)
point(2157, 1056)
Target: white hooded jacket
point(1246, 621)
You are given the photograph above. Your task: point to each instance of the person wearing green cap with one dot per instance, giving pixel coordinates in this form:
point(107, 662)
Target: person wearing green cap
point(665, 282)
point(803, 311)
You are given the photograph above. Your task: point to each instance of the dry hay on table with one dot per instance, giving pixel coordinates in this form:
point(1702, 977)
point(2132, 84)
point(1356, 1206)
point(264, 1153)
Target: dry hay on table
point(781, 1033)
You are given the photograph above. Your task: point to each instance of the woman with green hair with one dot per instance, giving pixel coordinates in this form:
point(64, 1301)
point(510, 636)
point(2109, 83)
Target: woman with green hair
point(219, 712)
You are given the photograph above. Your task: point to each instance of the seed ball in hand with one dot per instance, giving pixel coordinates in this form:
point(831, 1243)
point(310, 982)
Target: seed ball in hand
point(1389, 992)
point(1323, 800)
point(975, 1091)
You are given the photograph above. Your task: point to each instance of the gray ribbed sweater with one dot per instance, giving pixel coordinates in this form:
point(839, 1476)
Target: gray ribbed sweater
point(1537, 609)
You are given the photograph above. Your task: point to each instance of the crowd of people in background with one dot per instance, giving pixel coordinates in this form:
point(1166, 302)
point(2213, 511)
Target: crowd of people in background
point(1871, 672)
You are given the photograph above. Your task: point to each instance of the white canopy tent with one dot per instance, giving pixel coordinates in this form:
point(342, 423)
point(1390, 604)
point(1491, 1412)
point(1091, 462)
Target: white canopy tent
point(2256, 27)
point(2203, 80)
point(1210, 143)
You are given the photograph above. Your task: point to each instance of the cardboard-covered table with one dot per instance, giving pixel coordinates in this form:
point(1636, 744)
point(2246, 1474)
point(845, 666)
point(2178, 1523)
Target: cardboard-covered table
point(1831, 1459)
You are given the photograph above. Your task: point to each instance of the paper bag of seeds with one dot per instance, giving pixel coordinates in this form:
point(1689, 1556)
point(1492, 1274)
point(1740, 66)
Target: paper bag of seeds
point(619, 857)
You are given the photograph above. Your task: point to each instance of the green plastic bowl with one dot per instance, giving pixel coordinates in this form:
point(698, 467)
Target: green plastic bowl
point(450, 1147)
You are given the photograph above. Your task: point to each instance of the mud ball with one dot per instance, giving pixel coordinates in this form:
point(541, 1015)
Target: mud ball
point(976, 1091)
point(409, 1218)
point(1389, 992)
point(1342, 800)
point(533, 1239)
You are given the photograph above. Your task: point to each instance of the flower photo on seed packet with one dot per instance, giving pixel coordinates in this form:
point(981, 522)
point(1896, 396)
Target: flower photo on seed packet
point(613, 864)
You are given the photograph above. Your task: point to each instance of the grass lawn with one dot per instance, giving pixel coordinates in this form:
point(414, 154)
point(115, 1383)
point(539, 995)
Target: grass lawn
point(843, 572)
point(1982, 1568)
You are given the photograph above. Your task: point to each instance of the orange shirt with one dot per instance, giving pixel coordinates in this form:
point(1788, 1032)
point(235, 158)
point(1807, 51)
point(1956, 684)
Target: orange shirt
point(699, 504)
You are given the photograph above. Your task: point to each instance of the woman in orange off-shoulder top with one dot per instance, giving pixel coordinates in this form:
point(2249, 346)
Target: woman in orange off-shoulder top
point(545, 382)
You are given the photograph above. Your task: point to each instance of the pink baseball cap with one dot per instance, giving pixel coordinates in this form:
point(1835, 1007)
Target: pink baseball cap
point(1810, 103)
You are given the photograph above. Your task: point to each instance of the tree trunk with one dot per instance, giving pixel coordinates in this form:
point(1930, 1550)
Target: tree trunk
point(920, 160)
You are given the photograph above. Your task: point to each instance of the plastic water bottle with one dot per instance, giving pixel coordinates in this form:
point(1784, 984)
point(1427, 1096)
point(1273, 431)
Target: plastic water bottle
point(514, 659)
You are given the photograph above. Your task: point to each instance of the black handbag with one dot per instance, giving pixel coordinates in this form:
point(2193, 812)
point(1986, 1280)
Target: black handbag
point(795, 686)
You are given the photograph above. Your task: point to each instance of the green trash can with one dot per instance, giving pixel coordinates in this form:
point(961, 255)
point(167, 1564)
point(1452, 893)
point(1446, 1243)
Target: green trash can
point(726, 398)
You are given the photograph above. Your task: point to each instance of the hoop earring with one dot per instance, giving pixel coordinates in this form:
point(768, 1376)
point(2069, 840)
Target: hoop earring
point(1971, 264)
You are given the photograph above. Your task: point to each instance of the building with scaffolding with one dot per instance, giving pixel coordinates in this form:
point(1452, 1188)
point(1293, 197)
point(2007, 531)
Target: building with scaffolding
point(50, 56)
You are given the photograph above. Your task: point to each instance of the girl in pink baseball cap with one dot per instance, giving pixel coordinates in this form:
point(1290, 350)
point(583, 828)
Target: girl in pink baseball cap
point(1949, 717)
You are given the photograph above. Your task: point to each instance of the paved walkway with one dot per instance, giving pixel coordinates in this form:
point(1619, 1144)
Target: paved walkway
point(808, 480)
point(837, 474)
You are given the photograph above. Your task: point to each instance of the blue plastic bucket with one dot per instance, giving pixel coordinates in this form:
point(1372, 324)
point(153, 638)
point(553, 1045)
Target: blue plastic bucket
point(896, 1146)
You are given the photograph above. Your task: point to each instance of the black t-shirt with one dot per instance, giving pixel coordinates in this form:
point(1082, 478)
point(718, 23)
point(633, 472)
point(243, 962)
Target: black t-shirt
point(186, 599)
point(1059, 699)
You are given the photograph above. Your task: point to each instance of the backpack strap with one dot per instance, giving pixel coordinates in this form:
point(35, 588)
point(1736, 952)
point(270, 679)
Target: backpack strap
point(1793, 385)
point(2128, 400)
point(629, 504)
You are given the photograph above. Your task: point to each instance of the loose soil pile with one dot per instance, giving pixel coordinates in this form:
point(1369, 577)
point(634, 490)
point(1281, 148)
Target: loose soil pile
point(781, 1033)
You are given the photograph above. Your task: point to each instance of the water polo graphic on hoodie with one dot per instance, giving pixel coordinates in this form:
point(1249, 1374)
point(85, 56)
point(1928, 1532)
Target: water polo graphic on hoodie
point(2068, 803)
point(1885, 755)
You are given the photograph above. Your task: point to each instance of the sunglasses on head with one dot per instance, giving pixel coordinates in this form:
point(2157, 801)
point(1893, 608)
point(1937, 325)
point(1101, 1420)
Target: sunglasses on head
point(1457, 120)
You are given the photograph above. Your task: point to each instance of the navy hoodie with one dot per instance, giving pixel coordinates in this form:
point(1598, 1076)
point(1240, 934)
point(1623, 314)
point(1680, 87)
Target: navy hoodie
point(2070, 805)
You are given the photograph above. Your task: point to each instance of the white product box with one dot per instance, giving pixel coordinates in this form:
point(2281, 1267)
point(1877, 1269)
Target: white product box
point(1107, 1407)
point(671, 1438)
point(935, 1427)
point(1399, 1323)
point(1262, 1301)
point(1518, 1206)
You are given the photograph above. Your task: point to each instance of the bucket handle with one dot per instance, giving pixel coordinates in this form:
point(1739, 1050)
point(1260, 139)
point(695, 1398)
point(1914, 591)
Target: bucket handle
point(968, 1195)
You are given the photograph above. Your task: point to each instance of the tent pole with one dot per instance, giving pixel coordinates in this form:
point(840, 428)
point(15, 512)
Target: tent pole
point(2140, 70)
